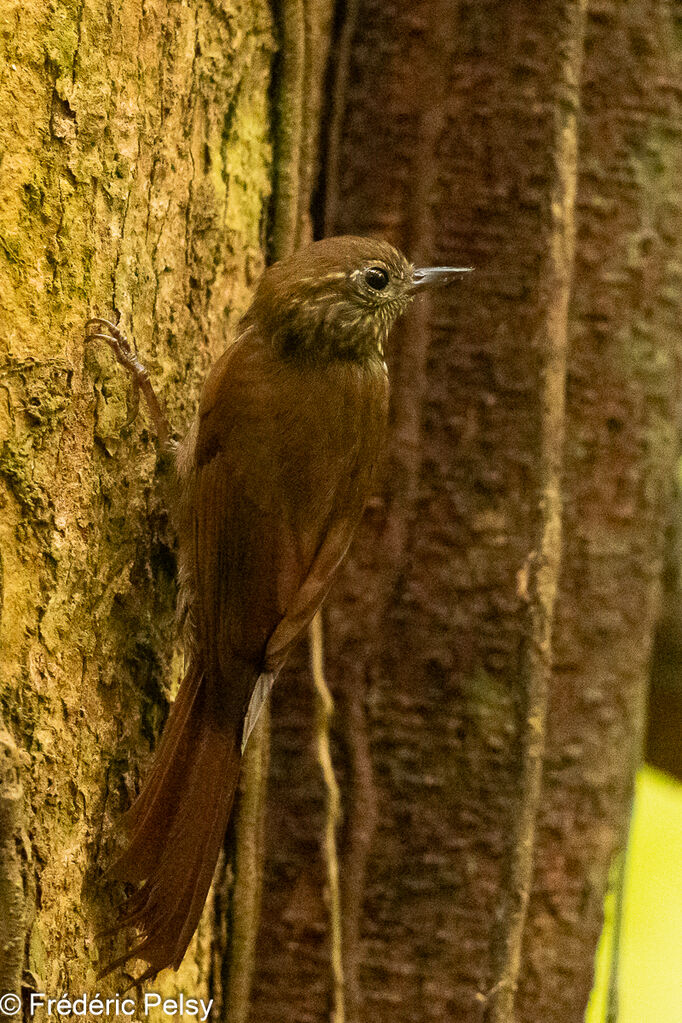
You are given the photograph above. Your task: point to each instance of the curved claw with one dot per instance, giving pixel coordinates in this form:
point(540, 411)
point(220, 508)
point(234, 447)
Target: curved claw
point(114, 336)
point(110, 338)
point(118, 343)
point(99, 328)
point(100, 321)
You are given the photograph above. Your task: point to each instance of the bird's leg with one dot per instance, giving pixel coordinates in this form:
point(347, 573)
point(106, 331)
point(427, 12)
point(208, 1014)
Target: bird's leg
point(128, 358)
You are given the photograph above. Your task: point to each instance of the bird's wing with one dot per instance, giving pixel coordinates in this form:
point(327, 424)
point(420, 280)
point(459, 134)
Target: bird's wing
point(280, 482)
point(307, 599)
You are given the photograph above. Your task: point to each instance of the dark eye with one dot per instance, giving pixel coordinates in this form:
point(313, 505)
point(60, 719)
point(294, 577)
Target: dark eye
point(376, 277)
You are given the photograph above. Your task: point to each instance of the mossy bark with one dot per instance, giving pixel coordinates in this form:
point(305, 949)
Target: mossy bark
point(135, 179)
point(135, 182)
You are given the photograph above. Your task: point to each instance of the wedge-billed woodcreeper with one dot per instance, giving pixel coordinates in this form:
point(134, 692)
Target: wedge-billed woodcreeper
point(270, 484)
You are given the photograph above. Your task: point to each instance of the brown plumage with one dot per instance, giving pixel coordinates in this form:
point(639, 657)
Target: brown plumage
point(272, 479)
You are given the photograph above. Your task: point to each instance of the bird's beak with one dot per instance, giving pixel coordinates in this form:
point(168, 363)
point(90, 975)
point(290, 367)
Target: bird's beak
point(432, 276)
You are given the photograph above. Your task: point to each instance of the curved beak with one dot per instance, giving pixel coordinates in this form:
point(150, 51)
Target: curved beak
point(433, 276)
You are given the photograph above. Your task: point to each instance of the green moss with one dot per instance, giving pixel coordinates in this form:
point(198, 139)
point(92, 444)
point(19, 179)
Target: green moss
point(15, 469)
point(61, 40)
point(488, 705)
point(12, 249)
point(34, 195)
point(109, 204)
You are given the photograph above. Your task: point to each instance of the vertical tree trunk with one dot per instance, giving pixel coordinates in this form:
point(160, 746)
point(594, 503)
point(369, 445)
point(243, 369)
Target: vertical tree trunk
point(135, 180)
point(508, 570)
point(477, 842)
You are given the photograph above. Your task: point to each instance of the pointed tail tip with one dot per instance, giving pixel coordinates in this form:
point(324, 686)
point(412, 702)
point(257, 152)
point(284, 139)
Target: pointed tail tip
point(168, 905)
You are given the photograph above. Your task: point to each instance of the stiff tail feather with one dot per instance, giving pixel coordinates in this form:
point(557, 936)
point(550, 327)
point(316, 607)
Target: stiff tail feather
point(177, 826)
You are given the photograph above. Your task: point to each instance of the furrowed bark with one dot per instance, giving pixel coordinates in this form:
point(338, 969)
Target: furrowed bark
point(13, 866)
point(538, 579)
point(440, 684)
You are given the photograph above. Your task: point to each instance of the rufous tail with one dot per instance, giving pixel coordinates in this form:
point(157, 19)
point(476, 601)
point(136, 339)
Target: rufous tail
point(177, 825)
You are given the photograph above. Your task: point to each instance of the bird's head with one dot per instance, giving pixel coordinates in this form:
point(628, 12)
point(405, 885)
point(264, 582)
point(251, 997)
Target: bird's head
point(338, 298)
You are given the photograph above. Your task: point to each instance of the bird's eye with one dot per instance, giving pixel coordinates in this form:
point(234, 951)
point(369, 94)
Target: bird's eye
point(376, 277)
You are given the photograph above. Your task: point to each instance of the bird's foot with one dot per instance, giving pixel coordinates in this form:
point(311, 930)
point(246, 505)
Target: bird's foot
point(100, 329)
point(104, 330)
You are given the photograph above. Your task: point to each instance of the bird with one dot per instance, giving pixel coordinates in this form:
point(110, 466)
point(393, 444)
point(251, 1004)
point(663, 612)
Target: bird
point(269, 485)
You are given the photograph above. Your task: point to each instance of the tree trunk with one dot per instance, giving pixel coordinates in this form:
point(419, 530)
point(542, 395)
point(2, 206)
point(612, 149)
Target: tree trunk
point(488, 640)
point(136, 148)
point(489, 676)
